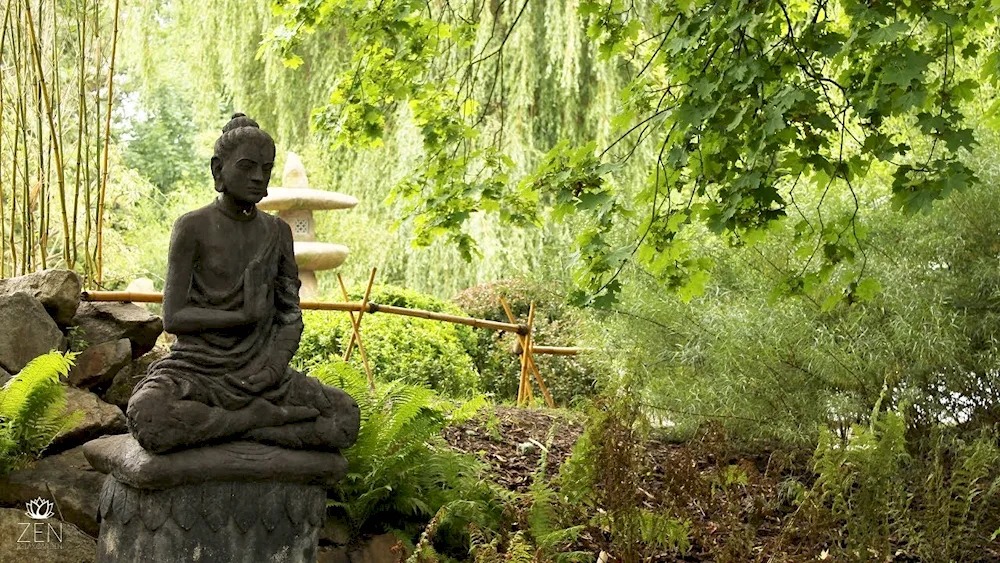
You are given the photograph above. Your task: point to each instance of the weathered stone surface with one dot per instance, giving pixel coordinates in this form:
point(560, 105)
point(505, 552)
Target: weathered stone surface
point(26, 331)
point(67, 478)
point(124, 458)
point(335, 532)
point(99, 419)
point(98, 365)
point(102, 322)
point(4, 377)
point(63, 543)
point(211, 521)
point(121, 388)
point(57, 290)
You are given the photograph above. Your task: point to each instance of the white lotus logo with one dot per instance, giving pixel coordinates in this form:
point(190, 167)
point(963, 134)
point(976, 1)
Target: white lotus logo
point(39, 509)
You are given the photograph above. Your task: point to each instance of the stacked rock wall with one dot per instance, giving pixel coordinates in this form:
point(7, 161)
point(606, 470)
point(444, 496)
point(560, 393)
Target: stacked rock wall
point(116, 342)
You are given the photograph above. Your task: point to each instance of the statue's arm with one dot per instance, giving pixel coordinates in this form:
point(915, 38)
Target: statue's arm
point(179, 315)
point(289, 315)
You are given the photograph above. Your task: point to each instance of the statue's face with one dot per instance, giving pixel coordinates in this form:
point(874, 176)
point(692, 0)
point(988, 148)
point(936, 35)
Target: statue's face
point(246, 171)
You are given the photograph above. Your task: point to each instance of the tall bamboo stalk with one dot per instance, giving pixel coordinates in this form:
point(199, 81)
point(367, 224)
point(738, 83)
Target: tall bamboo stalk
point(54, 140)
point(3, 215)
point(107, 138)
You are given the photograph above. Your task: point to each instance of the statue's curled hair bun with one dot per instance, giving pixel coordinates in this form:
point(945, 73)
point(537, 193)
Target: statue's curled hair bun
point(239, 120)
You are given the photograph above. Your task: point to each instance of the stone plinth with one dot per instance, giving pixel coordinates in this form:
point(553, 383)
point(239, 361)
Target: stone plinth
point(233, 502)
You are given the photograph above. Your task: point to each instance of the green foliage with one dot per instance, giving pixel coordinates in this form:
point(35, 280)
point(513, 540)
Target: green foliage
point(737, 112)
point(569, 378)
point(859, 480)
point(160, 139)
point(938, 506)
point(32, 409)
point(412, 350)
point(401, 471)
point(602, 476)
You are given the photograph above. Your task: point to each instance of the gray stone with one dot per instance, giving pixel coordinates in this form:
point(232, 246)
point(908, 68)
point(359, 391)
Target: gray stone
point(67, 478)
point(235, 522)
point(124, 458)
point(121, 388)
point(99, 419)
point(60, 543)
point(101, 322)
point(26, 331)
point(57, 290)
point(4, 377)
point(98, 365)
point(335, 532)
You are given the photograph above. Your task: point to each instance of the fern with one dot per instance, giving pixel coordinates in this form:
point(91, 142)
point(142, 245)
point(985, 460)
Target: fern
point(32, 409)
point(401, 471)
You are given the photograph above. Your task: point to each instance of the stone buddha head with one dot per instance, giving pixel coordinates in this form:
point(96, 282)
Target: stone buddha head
point(241, 165)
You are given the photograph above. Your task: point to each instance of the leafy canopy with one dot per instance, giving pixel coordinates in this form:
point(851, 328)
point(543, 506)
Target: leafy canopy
point(742, 113)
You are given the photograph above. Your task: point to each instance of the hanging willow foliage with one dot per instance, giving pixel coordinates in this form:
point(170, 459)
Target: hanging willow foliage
point(57, 59)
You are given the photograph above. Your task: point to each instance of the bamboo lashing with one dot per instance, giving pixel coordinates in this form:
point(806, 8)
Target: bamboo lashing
point(356, 334)
point(531, 360)
point(361, 313)
point(139, 297)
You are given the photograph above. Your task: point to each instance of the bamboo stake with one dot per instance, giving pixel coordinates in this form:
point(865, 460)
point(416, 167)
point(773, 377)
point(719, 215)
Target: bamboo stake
point(529, 399)
point(356, 325)
point(361, 313)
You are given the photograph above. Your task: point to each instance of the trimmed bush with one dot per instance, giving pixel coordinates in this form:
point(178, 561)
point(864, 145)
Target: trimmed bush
point(416, 351)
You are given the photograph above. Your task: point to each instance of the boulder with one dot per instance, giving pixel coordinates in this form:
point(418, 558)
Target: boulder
point(123, 384)
point(62, 543)
point(98, 365)
point(26, 331)
point(99, 419)
point(67, 478)
point(4, 377)
point(101, 322)
point(57, 290)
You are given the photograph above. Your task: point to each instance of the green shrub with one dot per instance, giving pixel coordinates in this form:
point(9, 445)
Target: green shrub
point(32, 409)
point(416, 351)
point(401, 471)
point(568, 378)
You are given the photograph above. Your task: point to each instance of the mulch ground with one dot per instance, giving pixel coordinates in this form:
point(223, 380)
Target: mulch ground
point(740, 505)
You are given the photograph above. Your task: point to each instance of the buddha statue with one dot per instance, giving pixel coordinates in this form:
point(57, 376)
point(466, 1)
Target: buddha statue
point(231, 298)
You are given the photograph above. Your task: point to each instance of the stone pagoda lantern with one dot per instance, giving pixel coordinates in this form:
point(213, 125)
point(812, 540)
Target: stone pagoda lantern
point(295, 202)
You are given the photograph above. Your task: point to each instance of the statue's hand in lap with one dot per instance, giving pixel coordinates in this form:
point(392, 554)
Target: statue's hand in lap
point(258, 382)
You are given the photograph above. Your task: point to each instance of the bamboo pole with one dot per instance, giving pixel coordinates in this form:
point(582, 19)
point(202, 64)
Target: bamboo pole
point(138, 297)
point(356, 326)
point(555, 350)
point(361, 313)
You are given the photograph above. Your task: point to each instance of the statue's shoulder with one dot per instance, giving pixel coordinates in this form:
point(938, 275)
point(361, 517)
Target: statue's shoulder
point(192, 219)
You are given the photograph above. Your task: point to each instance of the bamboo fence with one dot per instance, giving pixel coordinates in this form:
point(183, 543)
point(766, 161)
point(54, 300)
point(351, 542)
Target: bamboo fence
point(526, 348)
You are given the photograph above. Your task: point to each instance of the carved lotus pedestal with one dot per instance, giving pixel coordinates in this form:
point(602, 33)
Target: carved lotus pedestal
point(233, 502)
